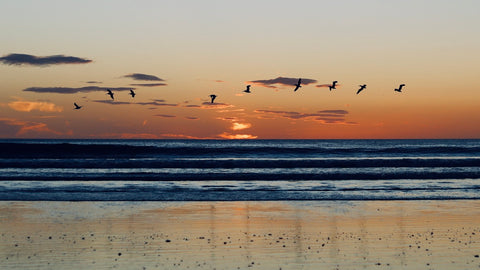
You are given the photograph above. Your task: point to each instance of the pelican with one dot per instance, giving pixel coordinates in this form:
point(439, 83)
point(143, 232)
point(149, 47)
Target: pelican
point(333, 85)
point(247, 90)
point(76, 106)
point(110, 93)
point(361, 88)
point(399, 89)
point(213, 97)
point(132, 93)
point(298, 85)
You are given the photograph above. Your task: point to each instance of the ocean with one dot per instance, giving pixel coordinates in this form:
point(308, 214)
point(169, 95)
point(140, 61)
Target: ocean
point(239, 170)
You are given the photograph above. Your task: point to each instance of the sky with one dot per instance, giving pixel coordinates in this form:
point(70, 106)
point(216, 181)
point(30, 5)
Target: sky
point(175, 54)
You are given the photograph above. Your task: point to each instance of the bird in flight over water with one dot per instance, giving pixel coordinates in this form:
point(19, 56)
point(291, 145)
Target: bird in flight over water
point(361, 88)
point(110, 93)
point(298, 85)
point(399, 89)
point(333, 85)
point(213, 97)
point(132, 93)
point(247, 90)
point(76, 106)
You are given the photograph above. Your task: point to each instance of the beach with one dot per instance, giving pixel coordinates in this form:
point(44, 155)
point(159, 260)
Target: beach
point(240, 235)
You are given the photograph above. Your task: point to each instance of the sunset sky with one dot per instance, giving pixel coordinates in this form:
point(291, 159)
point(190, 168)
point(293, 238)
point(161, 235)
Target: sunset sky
point(174, 54)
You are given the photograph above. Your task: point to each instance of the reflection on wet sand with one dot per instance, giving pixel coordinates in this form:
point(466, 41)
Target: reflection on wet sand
point(240, 235)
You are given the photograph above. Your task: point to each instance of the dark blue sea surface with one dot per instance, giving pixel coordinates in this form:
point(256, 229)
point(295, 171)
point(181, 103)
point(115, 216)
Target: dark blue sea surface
point(256, 170)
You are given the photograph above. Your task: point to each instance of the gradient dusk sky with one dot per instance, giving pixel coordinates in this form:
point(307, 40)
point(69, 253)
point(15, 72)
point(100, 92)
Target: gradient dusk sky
point(174, 54)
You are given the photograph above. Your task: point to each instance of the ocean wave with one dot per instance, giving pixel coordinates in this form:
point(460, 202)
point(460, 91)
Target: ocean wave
point(240, 191)
point(196, 174)
point(73, 150)
point(240, 163)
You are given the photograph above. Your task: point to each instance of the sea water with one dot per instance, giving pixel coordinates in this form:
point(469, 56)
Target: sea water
point(239, 170)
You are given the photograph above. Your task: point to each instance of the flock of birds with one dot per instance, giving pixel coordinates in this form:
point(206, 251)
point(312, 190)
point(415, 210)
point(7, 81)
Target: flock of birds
point(213, 96)
point(299, 84)
point(110, 93)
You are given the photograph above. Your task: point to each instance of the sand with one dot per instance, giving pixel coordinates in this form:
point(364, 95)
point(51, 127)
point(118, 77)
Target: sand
point(240, 235)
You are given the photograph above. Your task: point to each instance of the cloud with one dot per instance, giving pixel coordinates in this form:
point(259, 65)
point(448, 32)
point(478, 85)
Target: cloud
point(93, 82)
point(282, 81)
point(112, 102)
point(72, 90)
point(28, 106)
point(165, 115)
point(229, 136)
point(299, 115)
point(148, 84)
point(157, 102)
point(180, 136)
point(240, 126)
point(143, 77)
point(326, 85)
point(24, 128)
point(324, 116)
point(209, 105)
point(191, 118)
point(126, 136)
point(27, 59)
point(335, 112)
point(237, 124)
point(231, 119)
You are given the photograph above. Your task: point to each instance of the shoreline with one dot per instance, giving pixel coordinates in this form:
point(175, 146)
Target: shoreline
point(408, 234)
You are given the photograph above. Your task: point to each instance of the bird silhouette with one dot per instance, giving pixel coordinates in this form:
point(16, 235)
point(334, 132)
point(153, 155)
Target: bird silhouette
point(399, 89)
point(333, 85)
point(298, 85)
point(132, 93)
point(247, 90)
point(110, 93)
point(76, 106)
point(361, 88)
point(213, 97)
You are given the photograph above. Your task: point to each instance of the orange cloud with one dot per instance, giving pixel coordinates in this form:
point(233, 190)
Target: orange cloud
point(27, 127)
point(209, 105)
point(181, 136)
point(324, 116)
point(28, 106)
point(240, 126)
point(226, 135)
point(126, 136)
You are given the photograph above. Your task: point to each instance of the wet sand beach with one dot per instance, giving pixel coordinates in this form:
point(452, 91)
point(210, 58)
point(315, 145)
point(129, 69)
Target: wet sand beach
point(240, 235)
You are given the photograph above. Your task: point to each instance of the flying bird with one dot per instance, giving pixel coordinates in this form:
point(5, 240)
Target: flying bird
point(110, 93)
point(333, 85)
point(247, 90)
point(213, 97)
point(76, 106)
point(298, 85)
point(361, 88)
point(132, 93)
point(399, 89)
